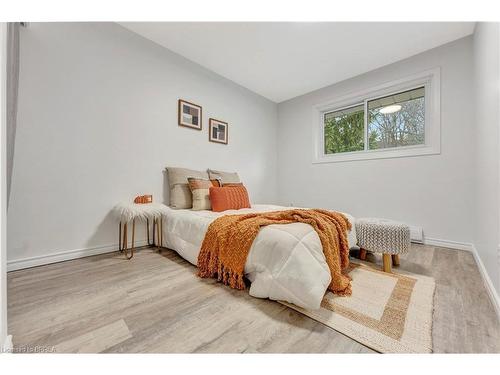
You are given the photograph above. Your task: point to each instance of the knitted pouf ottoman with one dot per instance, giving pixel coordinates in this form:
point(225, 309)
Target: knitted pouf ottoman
point(388, 237)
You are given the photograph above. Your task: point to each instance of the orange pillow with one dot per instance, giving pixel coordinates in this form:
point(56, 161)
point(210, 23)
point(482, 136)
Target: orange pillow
point(229, 198)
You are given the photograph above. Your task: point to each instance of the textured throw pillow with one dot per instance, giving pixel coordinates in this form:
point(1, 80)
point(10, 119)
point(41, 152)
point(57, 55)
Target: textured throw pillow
point(225, 177)
point(229, 198)
point(180, 194)
point(200, 189)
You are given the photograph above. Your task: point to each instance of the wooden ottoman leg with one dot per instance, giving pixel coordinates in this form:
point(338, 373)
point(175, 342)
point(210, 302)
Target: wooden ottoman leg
point(387, 262)
point(362, 253)
point(395, 259)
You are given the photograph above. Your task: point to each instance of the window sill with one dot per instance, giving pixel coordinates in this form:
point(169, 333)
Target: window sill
point(378, 154)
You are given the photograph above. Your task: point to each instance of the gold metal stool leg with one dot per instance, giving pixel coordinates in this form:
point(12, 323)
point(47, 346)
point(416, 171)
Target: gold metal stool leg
point(133, 239)
point(155, 241)
point(148, 230)
point(125, 240)
point(120, 237)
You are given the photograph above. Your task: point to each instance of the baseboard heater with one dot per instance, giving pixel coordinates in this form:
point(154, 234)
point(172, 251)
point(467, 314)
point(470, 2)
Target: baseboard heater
point(416, 234)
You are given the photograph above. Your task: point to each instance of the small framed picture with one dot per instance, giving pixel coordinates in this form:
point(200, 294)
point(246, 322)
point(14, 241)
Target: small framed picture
point(189, 115)
point(217, 131)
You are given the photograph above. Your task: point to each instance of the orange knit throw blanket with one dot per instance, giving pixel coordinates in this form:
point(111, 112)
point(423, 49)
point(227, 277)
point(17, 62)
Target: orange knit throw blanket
point(228, 240)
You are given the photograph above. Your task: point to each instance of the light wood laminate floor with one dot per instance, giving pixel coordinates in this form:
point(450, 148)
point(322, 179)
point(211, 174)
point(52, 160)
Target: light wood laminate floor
point(156, 303)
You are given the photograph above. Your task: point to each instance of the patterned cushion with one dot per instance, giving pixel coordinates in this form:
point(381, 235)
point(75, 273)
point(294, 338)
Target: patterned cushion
point(225, 177)
point(383, 236)
point(200, 189)
point(229, 198)
point(180, 194)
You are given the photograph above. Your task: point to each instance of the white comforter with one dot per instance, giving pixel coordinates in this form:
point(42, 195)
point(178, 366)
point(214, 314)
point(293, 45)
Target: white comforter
point(286, 261)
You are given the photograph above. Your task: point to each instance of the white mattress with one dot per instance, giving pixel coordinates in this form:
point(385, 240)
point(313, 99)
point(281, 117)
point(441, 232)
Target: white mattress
point(286, 261)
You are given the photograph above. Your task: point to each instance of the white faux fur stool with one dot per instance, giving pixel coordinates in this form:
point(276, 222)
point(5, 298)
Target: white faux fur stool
point(126, 212)
point(388, 237)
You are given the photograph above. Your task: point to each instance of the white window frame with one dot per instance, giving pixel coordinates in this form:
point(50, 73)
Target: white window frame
point(429, 79)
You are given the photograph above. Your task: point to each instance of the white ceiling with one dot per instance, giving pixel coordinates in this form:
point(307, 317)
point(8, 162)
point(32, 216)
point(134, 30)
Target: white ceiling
point(282, 60)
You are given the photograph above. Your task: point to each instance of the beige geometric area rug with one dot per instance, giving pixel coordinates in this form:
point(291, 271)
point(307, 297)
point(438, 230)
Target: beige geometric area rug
point(390, 313)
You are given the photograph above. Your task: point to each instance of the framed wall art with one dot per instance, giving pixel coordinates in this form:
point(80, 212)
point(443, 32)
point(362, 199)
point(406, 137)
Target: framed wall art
point(190, 115)
point(217, 131)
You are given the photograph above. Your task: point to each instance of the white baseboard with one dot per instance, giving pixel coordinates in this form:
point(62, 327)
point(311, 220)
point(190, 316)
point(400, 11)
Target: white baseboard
point(18, 264)
point(7, 345)
point(448, 244)
point(490, 288)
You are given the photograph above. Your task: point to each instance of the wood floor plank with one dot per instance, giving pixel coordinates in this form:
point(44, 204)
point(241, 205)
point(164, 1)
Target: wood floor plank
point(97, 340)
point(155, 303)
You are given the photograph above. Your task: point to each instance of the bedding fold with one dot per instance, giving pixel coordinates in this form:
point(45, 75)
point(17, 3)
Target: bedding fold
point(229, 238)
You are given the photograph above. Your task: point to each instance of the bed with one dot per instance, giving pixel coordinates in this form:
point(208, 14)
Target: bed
point(285, 262)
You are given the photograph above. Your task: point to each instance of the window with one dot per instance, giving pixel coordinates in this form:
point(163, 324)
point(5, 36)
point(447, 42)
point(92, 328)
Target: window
point(397, 119)
point(344, 130)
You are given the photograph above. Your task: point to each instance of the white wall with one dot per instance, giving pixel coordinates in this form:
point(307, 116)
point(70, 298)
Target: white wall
point(487, 123)
point(429, 191)
point(97, 124)
point(3, 187)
